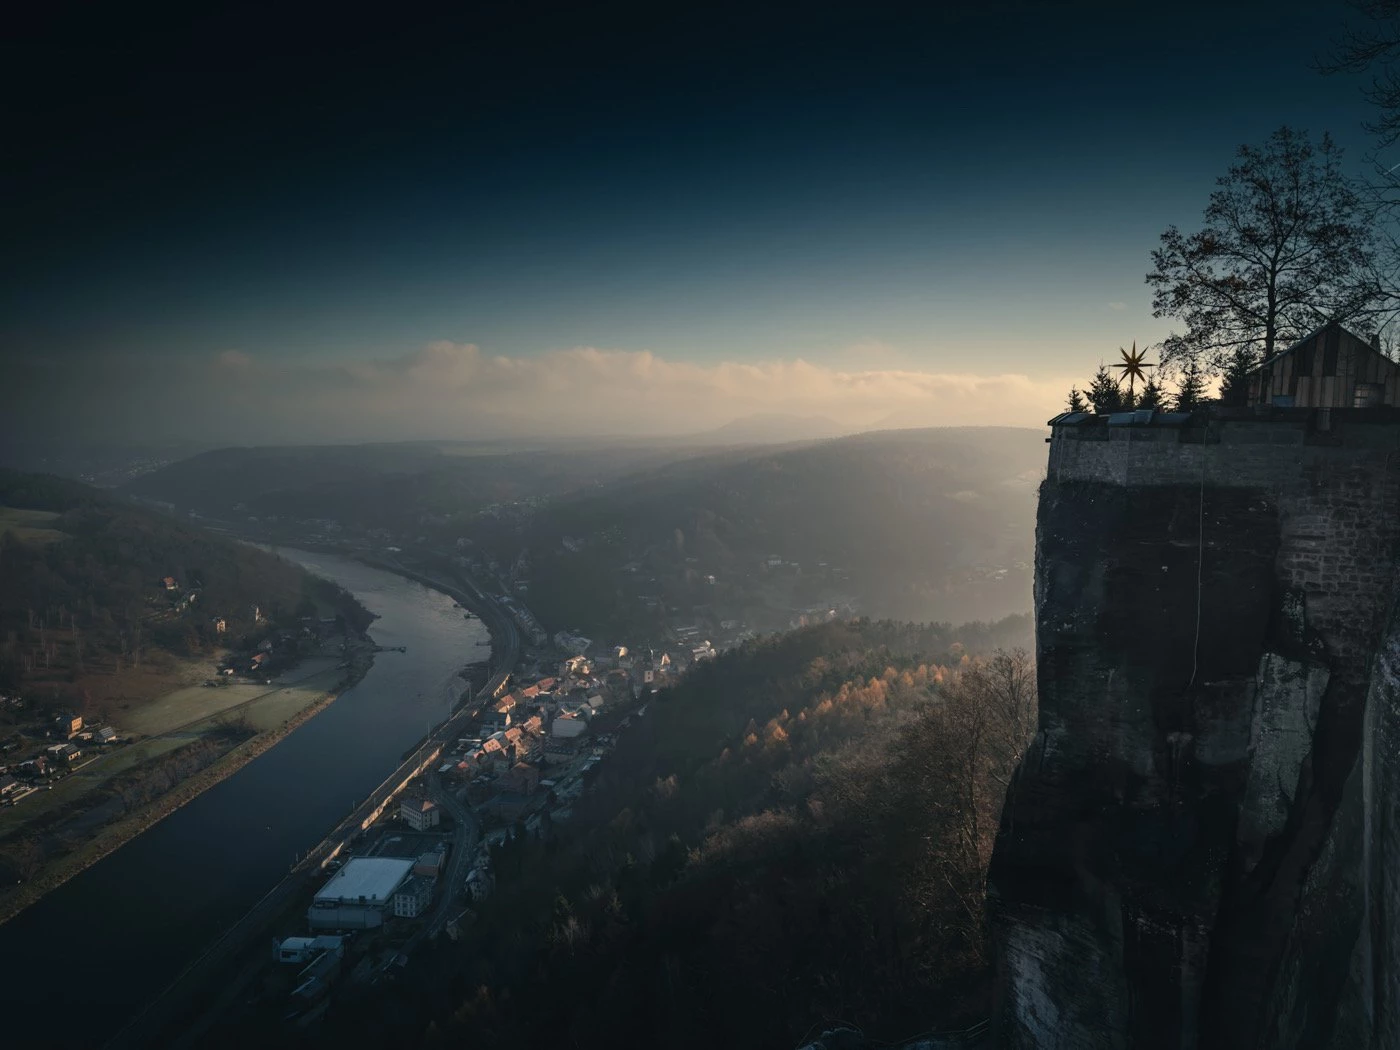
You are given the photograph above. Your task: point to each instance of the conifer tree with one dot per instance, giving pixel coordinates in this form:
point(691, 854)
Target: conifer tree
point(1075, 402)
point(1191, 391)
point(1104, 393)
point(1151, 395)
point(1233, 385)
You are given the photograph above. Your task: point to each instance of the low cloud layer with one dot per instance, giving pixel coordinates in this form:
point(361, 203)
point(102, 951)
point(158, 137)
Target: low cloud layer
point(456, 391)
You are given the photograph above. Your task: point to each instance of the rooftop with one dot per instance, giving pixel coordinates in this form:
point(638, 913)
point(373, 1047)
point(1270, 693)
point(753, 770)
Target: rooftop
point(372, 879)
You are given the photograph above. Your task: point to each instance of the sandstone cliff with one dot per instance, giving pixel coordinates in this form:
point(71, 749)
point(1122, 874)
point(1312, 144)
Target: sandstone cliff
point(1199, 850)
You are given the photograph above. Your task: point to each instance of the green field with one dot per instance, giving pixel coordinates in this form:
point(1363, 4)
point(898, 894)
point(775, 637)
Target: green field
point(29, 526)
point(180, 721)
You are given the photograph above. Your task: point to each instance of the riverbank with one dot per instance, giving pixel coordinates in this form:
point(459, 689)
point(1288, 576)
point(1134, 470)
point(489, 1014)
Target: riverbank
point(115, 834)
point(201, 989)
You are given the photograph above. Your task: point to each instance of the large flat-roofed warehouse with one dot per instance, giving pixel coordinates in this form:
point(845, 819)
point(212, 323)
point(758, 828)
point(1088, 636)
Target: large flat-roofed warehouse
point(356, 897)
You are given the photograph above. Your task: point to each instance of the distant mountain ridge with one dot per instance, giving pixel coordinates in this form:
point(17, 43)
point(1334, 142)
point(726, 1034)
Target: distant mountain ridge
point(771, 428)
point(924, 523)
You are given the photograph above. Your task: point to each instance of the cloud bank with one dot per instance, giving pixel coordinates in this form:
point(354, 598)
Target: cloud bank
point(456, 391)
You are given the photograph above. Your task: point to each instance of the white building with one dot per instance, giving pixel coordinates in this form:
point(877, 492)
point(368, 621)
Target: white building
point(411, 899)
point(419, 813)
point(566, 727)
point(574, 644)
point(357, 895)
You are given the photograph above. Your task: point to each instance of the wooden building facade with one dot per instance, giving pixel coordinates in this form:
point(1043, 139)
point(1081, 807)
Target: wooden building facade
point(1331, 368)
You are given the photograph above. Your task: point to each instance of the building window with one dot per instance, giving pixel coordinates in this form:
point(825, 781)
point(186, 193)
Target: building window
point(1329, 354)
point(1369, 395)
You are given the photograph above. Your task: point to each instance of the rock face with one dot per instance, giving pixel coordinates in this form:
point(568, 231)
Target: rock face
point(1202, 846)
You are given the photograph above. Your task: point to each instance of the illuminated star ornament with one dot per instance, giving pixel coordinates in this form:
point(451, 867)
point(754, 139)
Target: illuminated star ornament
point(1133, 365)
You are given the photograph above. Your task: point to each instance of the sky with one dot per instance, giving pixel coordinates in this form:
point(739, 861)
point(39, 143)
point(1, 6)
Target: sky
point(253, 226)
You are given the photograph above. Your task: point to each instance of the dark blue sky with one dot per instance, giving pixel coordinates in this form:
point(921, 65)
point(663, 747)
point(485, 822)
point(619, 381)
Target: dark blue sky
point(971, 189)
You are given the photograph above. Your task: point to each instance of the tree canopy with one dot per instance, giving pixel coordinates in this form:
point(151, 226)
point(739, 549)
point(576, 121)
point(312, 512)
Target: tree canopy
point(1284, 248)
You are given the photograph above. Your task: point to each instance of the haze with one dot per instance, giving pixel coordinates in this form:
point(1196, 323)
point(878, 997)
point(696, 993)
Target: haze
point(496, 225)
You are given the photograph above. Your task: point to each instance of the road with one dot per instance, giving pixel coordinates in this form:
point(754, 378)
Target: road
point(464, 843)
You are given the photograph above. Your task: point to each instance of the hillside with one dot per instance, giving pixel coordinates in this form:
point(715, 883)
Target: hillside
point(86, 612)
point(616, 539)
point(386, 486)
point(797, 833)
point(910, 524)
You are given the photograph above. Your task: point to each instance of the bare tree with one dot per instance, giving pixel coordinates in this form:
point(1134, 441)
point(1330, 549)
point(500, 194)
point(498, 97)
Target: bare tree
point(1372, 45)
point(1286, 246)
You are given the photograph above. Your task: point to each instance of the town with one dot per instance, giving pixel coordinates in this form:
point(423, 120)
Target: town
point(424, 860)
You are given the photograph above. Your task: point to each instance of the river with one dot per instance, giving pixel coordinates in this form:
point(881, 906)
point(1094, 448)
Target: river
point(84, 959)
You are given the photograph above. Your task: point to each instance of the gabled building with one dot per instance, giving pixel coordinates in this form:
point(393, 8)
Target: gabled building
point(419, 813)
point(1329, 368)
point(501, 716)
point(411, 899)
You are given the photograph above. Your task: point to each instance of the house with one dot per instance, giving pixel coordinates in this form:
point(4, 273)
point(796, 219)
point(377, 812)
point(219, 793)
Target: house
point(500, 716)
point(1330, 368)
point(412, 898)
point(515, 743)
point(220, 625)
point(479, 884)
point(170, 584)
point(522, 778)
point(69, 726)
point(105, 735)
point(493, 754)
point(64, 753)
point(8, 785)
point(419, 813)
point(562, 749)
point(567, 727)
point(429, 865)
point(571, 643)
point(508, 806)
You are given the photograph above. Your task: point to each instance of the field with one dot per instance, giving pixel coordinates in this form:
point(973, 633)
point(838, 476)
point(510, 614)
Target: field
point(29, 526)
point(173, 721)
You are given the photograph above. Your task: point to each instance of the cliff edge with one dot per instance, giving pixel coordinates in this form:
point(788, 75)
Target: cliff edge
point(1198, 849)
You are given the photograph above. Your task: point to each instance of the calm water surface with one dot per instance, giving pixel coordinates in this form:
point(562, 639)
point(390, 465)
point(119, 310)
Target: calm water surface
point(85, 958)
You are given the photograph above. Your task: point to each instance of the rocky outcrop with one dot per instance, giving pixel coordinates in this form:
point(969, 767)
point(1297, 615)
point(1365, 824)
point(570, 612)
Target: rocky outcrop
point(1198, 847)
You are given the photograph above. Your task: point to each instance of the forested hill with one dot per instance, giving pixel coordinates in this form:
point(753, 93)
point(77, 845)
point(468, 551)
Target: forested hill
point(910, 524)
point(794, 835)
point(83, 587)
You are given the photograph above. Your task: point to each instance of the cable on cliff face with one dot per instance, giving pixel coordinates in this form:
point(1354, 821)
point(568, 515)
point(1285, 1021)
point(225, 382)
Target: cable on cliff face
point(1200, 563)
